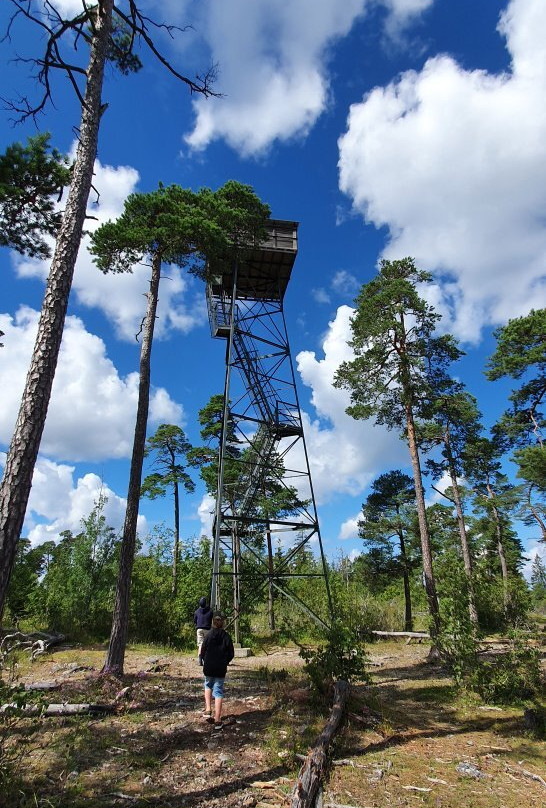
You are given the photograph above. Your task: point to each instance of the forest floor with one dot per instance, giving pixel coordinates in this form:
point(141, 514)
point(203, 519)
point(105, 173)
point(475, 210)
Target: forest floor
point(408, 739)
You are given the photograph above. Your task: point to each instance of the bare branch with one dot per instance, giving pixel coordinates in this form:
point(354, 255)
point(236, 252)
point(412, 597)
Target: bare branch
point(443, 494)
point(54, 27)
point(137, 22)
point(26, 13)
point(95, 189)
point(140, 330)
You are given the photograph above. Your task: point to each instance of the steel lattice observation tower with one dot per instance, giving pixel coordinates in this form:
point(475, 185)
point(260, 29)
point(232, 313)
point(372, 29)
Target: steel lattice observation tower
point(265, 505)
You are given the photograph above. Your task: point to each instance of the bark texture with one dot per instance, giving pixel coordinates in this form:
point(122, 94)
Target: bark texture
point(467, 558)
point(176, 550)
point(120, 621)
point(59, 709)
point(430, 586)
point(25, 443)
point(408, 616)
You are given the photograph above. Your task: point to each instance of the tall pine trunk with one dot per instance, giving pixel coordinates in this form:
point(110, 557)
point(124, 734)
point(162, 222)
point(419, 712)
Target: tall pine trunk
point(430, 585)
point(408, 616)
point(25, 443)
point(467, 558)
point(500, 551)
point(120, 621)
point(176, 550)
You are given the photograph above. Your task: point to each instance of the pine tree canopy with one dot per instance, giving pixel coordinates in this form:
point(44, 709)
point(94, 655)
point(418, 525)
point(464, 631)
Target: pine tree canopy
point(32, 179)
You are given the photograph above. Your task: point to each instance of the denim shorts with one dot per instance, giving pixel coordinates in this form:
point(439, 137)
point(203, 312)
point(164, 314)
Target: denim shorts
point(215, 684)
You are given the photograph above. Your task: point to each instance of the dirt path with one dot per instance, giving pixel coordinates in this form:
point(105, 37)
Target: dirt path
point(407, 741)
point(158, 750)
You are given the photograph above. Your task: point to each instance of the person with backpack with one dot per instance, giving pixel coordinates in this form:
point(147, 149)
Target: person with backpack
point(217, 652)
point(203, 621)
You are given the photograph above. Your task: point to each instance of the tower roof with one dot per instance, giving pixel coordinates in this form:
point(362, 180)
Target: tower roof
point(264, 271)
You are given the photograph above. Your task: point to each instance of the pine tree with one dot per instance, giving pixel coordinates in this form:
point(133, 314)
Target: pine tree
point(521, 354)
point(170, 445)
point(453, 422)
point(538, 580)
point(31, 177)
point(177, 226)
point(386, 519)
point(395, 348)
point(103, 33)
point(493, 494)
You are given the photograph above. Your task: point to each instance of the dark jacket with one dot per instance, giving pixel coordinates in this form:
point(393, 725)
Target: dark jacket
point(203, 617)
point(217, 652)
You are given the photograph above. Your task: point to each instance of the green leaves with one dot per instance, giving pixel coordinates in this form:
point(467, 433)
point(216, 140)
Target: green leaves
point(342, 656)
point(384, 513)
point(521, 354)
point(31, 177)
point(396, 350)
point(183, 227)
point(168, 444)
point(120, 49)
point(521, 344)
point(532, 465)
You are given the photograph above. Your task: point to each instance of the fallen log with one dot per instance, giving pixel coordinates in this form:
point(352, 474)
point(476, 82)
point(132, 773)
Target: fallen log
point(411, 635)
point(43, 685)
point(310, 776)
point(37, 642)
point(57, 709)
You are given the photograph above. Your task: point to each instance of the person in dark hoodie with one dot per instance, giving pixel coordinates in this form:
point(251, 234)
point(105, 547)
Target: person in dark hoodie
point(203, 621)
point(217, 651)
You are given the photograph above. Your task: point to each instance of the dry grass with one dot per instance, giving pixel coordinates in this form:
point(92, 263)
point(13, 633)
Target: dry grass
point(423, 735)
point(156, 750)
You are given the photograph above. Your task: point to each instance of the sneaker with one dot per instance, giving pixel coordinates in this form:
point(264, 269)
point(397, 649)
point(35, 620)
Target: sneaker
point(207, 713)
point(217, 727)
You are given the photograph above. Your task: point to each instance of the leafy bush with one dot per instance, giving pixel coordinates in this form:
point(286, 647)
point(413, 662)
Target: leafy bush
point(11, 754)
point(342, 656)
point(508, 678)
point(511, 677)
point(457, 641)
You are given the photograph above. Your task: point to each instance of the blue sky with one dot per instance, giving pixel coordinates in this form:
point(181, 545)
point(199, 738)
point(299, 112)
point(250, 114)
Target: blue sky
point(385, 127)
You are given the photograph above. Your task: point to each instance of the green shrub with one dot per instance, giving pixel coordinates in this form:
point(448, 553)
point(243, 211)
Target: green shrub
point(12, 785)
point(456, 641)
point(508, 678)
point(511, 677)
point(341, 656)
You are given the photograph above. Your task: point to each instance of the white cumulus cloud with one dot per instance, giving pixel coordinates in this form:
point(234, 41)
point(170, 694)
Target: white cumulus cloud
point(121, 297)
point(58, 503)
point(92, 409)
point(453, 162)
point(273, 59)
point(68, 8)
point(344, 454)
point(205, 512)
point(349, 528)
